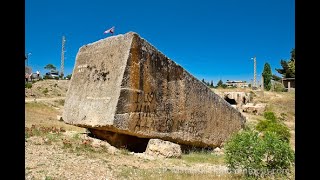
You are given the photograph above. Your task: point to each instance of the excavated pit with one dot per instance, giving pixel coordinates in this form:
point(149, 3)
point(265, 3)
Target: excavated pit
point(230, 101)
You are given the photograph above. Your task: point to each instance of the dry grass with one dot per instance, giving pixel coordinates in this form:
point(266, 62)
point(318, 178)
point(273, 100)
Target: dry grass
point(122, 165)
point(203, 157)
point(48, 88)
point(46, 116)
point(168, 174)
point(281, 103)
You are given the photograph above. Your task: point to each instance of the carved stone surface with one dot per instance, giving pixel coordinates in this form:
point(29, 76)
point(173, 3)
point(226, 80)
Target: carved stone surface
point(125, 85)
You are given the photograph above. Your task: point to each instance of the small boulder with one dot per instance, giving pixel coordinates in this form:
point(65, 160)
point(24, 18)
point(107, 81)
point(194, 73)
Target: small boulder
point(161, 148)
point(259, 108)
point(218, 151)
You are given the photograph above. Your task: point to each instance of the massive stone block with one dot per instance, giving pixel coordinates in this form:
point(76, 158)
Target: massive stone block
point(123, 84)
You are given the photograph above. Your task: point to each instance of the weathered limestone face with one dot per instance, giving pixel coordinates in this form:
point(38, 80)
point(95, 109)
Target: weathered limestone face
point(124, 85)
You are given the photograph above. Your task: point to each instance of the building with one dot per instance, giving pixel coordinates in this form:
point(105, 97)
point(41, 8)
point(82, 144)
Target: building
point(239, 84)
point(288, 83)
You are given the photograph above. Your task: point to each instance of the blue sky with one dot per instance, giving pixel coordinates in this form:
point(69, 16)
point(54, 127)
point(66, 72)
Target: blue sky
point(211, 39)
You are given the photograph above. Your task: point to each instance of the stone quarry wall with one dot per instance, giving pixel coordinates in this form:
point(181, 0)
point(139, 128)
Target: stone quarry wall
point(124, 85)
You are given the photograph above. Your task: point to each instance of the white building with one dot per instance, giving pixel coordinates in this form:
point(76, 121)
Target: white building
point(239, 84)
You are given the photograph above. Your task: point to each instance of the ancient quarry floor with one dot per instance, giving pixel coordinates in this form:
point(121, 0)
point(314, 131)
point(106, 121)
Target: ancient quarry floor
point(55, 150)
point(47, 159)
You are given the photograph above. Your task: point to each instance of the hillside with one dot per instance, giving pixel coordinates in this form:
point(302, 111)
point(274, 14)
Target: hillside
point(48, 88)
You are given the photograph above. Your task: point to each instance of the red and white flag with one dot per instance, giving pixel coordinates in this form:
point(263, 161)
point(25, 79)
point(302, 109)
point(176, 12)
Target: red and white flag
point(111, 30)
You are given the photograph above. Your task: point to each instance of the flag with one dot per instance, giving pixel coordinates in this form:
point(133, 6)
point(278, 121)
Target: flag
point(111, 30)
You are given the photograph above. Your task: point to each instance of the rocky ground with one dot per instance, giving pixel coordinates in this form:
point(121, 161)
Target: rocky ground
point(47, 89)
point(66, 156)
point(55, 150)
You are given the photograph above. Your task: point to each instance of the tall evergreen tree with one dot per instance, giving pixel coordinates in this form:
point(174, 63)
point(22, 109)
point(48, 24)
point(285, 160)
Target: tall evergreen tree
point(267, 75)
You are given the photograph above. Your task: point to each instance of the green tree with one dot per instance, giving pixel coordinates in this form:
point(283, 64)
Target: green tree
point(267, 75)
point(220, 83)
point(292, 62)
point(69, 76)
point(276, 78)
point(50, 67)
point(288, 67)
point(203, 81)
point(293, 54)
point(211, 84)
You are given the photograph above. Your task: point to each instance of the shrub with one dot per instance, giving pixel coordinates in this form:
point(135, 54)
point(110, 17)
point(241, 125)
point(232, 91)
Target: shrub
point(283, 116)
point(270, 116)
point(258, 156)
point(278, 154)
point(272, 124)
point(244, 151)
point(224, 86)
point(278, 87)
point(277, 127)
point(28, 85)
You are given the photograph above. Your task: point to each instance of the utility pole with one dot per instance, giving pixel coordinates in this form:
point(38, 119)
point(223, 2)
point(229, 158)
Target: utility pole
point(262, 83)
point(62, 57)
point(27, 68)
point(254, 72)
point(27, 58)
